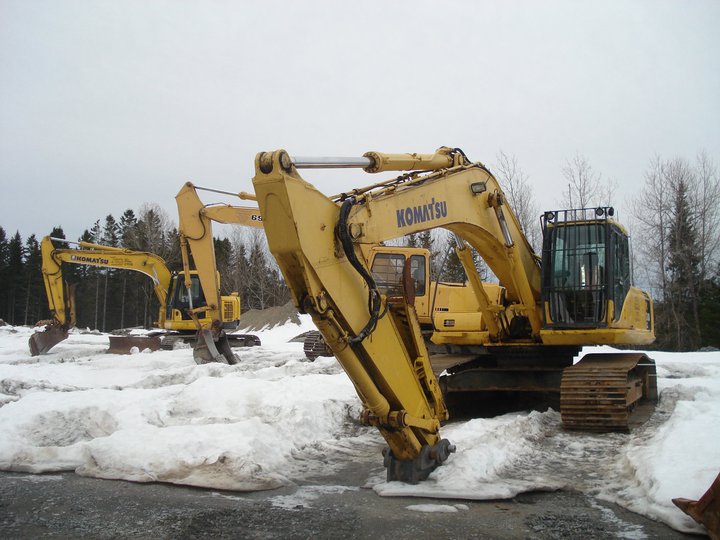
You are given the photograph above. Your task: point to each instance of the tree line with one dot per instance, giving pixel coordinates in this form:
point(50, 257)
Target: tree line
point(675, 221)
point(109, 299)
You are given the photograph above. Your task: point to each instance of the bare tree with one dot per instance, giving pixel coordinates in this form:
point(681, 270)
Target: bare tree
point(706, 201)
point(651, 212)
point(521, 196)
point(583, 184)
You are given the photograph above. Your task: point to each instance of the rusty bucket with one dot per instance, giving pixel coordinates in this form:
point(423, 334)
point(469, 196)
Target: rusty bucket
point(705, 510)
point(41, 342)
point(124, 344)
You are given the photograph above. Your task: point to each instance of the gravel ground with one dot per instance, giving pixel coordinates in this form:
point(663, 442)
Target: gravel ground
point(70, 506)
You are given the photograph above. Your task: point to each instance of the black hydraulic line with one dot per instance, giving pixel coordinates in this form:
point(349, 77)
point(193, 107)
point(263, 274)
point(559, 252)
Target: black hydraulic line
point(374, 297)
point(457, 150)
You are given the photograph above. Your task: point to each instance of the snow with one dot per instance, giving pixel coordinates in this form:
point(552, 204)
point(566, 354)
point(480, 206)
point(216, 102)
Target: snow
point(430, 508)
point(277, 419)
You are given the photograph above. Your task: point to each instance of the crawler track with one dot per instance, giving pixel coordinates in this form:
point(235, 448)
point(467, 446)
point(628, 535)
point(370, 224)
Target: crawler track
point(600, 392)
point(314, 345)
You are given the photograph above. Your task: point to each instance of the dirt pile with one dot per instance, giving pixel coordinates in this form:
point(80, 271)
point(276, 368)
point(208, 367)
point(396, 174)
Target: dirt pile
point(256, 319)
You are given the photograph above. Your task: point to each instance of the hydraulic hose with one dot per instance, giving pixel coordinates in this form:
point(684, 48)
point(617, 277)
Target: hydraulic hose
point(374, 297)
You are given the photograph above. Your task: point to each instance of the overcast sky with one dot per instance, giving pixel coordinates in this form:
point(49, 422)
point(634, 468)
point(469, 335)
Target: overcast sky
point(105, 105)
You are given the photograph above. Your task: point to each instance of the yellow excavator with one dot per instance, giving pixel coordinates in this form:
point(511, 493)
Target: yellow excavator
point(517, 336)
point(195, 230)
point(174, 298)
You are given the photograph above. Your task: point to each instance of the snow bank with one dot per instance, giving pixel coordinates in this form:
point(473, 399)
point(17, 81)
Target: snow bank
point(160, 417)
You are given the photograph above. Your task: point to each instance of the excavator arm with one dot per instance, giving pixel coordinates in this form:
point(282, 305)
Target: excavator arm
point(385, 356)
point(59, 300)
point(195, 230)
point(60, 295)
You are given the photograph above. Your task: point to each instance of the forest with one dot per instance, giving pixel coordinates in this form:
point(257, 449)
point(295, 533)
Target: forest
point(674, 225)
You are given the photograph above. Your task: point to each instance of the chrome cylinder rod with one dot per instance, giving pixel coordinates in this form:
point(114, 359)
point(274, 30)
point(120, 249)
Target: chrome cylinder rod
point(64, 240)
point(303, 162)
point(244, 195)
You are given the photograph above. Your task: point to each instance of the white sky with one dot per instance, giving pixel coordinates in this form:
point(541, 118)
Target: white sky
point(105, 105)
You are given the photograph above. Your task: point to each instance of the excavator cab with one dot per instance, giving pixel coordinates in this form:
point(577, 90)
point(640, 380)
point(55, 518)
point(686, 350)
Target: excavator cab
point(181, 298)
point(586, 268)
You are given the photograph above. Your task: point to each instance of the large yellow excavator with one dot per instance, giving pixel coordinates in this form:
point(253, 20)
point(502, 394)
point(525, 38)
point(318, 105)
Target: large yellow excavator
point(175, 296)
point(195, 230)
point(518, 336)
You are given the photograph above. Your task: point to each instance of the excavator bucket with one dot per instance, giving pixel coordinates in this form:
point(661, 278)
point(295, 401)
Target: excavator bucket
point(41, 342)
point(207, 349)
point(125, 344)
point(706, 510)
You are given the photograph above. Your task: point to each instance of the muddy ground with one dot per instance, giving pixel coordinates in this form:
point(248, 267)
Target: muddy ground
point(70, 506)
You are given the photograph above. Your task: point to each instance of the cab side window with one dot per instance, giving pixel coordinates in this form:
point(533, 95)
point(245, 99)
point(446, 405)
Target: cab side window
point(417, 271)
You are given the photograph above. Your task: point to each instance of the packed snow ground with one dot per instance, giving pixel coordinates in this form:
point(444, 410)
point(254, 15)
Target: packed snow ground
point(276, 419)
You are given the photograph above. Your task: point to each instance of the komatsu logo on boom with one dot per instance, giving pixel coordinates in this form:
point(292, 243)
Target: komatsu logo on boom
point(91, 260)
point(422, 213)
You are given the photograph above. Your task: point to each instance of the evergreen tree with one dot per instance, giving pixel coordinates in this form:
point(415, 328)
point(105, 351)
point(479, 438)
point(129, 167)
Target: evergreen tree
point(172, 255)
point(15, 281)
point(127, 229)
point(86, 280)
point(683, 267)
point(4, 272)
point(110, 284)
point(453, 271)
point(34, 288)
point(223, 260)
point(96, 273)
point(130, 281)
point(709, 312)
point(111, 232)
point(58, 232)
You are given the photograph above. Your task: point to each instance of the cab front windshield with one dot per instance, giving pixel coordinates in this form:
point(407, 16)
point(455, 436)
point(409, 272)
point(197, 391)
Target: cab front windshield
point(576, 279)
point(180, 299)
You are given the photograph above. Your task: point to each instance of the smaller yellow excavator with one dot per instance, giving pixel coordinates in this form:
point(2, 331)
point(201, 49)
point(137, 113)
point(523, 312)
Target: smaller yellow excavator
point(195, 230)
point(174, 299)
